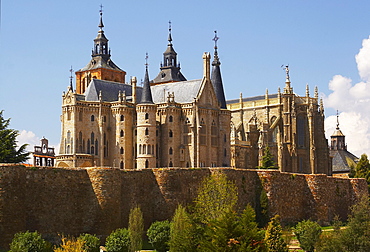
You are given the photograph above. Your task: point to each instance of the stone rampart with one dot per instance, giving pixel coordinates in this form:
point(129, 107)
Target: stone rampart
point(98, 200)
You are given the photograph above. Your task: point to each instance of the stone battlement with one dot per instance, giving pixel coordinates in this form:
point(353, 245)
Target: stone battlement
point(98, 200)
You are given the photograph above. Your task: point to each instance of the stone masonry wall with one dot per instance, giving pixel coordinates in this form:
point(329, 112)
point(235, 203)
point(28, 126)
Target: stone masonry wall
point(98, 200)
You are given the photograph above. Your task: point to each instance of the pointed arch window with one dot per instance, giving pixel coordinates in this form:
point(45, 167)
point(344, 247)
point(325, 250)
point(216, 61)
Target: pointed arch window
point(121, 151)
point(121, 134)
point(122, 118)
point(170, 164)
point(146, 131)
point(92, 118)
point(146, 116)
point(170, 151)
point(170, 133)
point(121, 165)
point(147, 163)
point(170, 119)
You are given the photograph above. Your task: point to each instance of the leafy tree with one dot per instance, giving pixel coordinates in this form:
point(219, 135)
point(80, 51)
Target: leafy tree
point(118, 241)
point(182, 232)
point(362, 169)
point(28, 242)
point(71, 245)
point(216, 196)
point(136, 229)
point(91, 242)
point(268, 160)
point(308, 234)
point(356, 237)
point(159, 235)
point(274, 236)
point(8, 144)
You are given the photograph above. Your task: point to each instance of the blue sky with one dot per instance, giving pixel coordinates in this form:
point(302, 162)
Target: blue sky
point(40, 40)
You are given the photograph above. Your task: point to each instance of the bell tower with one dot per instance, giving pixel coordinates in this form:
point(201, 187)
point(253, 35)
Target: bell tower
point(100, 66)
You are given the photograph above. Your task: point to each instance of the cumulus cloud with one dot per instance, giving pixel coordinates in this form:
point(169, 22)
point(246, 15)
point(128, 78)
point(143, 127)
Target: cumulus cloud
point(353, 103)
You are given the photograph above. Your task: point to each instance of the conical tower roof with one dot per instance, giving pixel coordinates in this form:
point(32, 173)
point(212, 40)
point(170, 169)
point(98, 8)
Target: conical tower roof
point(216, 78)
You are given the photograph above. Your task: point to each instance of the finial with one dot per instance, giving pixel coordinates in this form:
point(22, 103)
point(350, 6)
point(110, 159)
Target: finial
point(316, 92)
point(101, 17)
point(286, 68)
point(169, 32)
point(70, 79)
point(146, 60)
point(337, 120)
point(279, 91)
point(307, 90)
point(216, 59)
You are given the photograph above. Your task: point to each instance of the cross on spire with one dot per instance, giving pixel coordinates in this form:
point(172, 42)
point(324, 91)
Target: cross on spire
point(337, 120)
point(70, 78)
point(146, 60)
point(215, 39)
point(169, 32)
point(101, 9)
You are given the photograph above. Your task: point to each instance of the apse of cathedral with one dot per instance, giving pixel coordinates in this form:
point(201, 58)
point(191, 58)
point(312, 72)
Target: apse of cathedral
point(174, 122)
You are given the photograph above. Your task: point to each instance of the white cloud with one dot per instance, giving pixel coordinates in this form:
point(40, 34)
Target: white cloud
point(353, 102)
point(28, 137)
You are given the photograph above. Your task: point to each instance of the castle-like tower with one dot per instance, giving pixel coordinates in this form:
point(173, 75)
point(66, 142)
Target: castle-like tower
point(166, 123)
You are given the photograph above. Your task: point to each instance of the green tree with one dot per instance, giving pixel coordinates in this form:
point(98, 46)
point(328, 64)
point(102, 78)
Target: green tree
point(136, 228)
point(216, 196)
point(159, 235)
point(308, 234)
point(268, 160)
point(28, 242)
point(252, 237)
point(182, 232)
point(274, 236)
point(8, 144)
point(362, 169)
point(356, 237)
point(91, 242)
point(118, 241)
point(71, 244)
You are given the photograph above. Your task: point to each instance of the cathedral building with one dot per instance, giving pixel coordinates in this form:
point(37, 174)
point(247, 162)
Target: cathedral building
point(174, 122)
point(168, 122)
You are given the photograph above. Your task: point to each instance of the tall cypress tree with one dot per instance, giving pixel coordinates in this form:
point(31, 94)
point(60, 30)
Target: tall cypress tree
point(8, 144)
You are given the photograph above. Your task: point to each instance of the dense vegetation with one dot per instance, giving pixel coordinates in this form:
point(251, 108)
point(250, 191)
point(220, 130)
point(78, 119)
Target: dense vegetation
point(214, 223)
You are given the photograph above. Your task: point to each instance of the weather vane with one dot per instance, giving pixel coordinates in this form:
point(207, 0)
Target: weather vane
point(101, 9)
point(169, 26)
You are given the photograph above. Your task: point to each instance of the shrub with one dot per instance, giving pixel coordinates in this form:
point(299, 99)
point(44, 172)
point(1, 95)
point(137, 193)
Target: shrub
point(159, 235)
point(28, 242)
point(71, 245)
point(118, 241)
point(308, 234)
point(91, 242)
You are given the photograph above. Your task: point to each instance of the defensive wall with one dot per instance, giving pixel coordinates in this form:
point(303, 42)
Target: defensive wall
point(98, 200)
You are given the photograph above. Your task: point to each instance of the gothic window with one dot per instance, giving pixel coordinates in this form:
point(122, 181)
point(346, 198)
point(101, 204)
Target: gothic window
point(96, 147)
point(170, 151)
point(92, 150)
point(170, 164)
point(301, 123)
point(121, 165)
point(122, 118)
point(92, 118)
point(170, 119)
point(170, 134)
point(146, 116)
point(121, 150)
point(121, 134)
point(146, 163)
point(149, 149)
point(139, 148)
point(146, 131)
point(88, 146)
point(144, 149)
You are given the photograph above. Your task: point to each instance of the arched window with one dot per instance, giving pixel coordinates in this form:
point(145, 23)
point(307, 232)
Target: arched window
point(146, 163)
point(121, 165)
point(122, 118)
point(144, 149)
point(88, 146)
point(146, 131)
point(146, 116)
point(121, 134)
point(170, 119)
point(92, 118)
point(170, 151)
point(121, 150)
point(96, 147)
point(170, 164)
point(139, 148)
point(92, 150)
point(170, 134)
point(149, 149)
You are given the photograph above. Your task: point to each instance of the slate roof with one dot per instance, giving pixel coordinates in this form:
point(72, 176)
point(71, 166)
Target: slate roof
point(184, 91)
point(253, 98)
point(109, 90)
point(100, 62)
point(168, 74)
point(343, 160)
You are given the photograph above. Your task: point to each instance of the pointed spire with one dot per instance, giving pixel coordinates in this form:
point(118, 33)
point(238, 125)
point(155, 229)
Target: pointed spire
point(216, 78)
point(101, 25)
point(70, 79)
point(146, 95)
point(169, 33)
point(307, 90)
